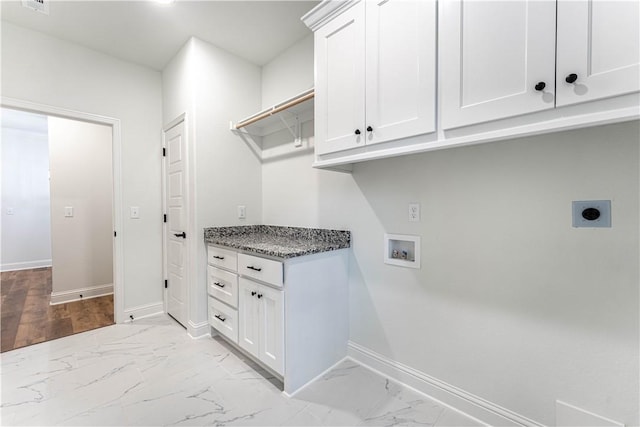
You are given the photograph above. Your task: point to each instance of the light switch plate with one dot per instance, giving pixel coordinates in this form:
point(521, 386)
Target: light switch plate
point(242, 212)
point(135, 212)
point(599, 208)
point(68, 211)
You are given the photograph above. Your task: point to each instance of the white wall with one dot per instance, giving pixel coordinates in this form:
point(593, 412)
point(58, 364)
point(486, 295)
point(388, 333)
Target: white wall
point(289, 74)
point(46, 70)
point(511, 303)
point(214, 88)
point(26, 234)
point(81, 178)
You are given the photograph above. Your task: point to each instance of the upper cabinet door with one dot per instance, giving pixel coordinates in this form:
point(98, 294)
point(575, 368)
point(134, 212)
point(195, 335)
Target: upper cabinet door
point(598, 49)
point(494, 55)
point(400, 68)
point(339, 99)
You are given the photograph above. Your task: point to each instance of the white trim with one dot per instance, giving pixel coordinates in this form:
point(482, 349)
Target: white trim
point(439, 141)
point(447, 394)
point(81, 294)
point(325, 12)
point(198, 330)
point(311, 381)
point(143, 311)
point(27, 265)
point(117, 209)
point(569, 415)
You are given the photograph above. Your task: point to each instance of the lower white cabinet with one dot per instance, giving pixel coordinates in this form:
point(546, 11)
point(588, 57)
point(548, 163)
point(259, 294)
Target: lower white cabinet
point(261, 323)
point(290, 315)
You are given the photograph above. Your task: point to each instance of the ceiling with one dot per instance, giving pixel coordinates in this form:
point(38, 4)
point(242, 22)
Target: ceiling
point(149, 33)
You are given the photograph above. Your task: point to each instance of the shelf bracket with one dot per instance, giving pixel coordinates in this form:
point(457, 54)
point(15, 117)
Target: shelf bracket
point(294, 131)
point(253, 141)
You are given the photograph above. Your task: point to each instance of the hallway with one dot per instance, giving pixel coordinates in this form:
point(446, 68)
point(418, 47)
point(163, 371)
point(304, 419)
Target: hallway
point(28, 318)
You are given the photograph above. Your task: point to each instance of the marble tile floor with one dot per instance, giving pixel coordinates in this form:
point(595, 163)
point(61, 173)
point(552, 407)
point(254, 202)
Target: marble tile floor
point(151, 373)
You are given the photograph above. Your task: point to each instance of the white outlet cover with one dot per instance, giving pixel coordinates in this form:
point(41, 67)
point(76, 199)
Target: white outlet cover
point(242, 211)
point(414, 212)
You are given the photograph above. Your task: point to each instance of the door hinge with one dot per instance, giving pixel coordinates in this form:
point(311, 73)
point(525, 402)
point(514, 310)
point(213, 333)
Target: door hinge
point(164, 152)
point(166, 284)
point(165, 217)
point(114, 234)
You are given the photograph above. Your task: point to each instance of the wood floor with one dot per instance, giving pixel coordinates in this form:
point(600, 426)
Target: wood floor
point(27, 317)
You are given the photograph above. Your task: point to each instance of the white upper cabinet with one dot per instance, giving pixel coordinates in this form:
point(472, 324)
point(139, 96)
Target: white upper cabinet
point(375, 74)
point(598, 49)
point(499, 58)
point(339, 109)
point(494, 55)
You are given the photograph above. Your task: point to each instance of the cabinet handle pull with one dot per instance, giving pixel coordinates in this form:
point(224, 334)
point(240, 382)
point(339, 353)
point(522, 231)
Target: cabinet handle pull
point(218, 257)
point(571, 78)
point(183, 235)
point(369, 129)
point(218, 284)
point(259, 295)
point(540, 86)
point(357, 131)
point(250, 267)
point(220, 318)
point(253, 293)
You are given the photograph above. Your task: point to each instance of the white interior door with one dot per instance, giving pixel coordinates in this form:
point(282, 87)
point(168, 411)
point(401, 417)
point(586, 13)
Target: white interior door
point(176, 248)
point(494, 55)
point(599, 47)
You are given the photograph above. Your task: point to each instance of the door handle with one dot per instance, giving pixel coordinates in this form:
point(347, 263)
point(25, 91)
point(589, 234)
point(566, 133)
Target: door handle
point(183, 235)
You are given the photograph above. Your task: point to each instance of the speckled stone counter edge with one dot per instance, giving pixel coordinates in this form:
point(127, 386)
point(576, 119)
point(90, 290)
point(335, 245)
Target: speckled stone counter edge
point(307, 240)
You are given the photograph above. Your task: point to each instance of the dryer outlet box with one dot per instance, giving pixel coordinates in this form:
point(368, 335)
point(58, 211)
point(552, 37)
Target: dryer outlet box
point(592, 213)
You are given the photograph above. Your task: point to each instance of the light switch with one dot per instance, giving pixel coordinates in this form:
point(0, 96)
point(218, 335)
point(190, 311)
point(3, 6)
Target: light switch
point(9, 211)
point(135, 212)
point(68, 211)
point(242, 211)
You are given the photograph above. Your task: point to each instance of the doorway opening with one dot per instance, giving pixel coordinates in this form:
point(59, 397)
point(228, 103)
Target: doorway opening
point(60, 203)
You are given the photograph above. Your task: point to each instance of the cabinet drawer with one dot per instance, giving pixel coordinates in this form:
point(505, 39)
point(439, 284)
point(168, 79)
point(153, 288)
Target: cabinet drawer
point(224, 319)
point(265, 270)
point(222, 285)
point(223, 258)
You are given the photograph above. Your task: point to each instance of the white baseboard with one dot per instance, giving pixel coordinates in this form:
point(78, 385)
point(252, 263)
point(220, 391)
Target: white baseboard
point(81, 293)
point(143, 311)
point(447, 394)
point(26, 265)
point(317, 377)
point(198, 330)
point(571, 416)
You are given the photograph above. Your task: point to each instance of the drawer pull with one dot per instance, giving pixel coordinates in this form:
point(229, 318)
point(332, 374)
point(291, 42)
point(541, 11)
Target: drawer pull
point(259, 296)
point(218, 257)
point(250, 267)
point(220, 318)
point(218, 284)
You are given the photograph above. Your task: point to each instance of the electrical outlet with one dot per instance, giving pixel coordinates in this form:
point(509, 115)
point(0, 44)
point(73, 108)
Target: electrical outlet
point(68, 211)
point(414, 212)
point(242, 211)
point(10, 211)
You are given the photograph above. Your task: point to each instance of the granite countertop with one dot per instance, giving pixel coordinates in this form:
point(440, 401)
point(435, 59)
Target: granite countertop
point(277, 241)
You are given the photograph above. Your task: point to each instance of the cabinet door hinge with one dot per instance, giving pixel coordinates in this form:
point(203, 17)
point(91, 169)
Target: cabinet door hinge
point(165, 217)
point(164, 152)
point(166, 284)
